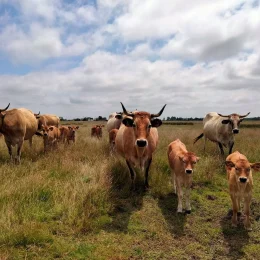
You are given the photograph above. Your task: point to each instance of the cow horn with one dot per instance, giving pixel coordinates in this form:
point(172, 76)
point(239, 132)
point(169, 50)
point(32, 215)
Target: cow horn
point(2, 110)
point(223, 115)
point(157, 115)
point(37, 114)
point(244, 115)
point(125, 111)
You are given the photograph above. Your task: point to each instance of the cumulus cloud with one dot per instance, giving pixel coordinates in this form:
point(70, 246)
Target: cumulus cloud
point(87, 56)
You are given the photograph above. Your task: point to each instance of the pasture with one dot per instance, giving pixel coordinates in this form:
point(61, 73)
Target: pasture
point(76, 203)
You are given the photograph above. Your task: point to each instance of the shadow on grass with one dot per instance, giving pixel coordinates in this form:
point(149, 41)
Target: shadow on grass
point(125, 200)
point(176, 221)
point(236, 238)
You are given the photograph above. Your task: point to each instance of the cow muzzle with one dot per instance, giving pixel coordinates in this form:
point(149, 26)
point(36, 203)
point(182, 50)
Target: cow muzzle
point(243, 179)
point(235, 131)
point(141, 142)
point(188, 171)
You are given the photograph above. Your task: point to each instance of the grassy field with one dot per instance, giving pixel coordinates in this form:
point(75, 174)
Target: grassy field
point(75, 203)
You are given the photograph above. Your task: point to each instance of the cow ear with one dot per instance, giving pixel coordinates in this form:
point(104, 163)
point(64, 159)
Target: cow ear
point(127, 121)
point(226, 121)
point(255, 166)
point(229, 164)
point(51, 128)
point(77, 127)
point(69, 127)
point(118, 116)
point(156, 122)
point(197, 159)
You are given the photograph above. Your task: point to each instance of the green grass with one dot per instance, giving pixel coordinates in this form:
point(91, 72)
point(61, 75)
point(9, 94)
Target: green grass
point(76, 203)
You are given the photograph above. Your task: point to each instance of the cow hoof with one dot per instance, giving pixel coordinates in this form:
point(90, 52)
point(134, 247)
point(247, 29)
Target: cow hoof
point(179, 211)
point(188, 211)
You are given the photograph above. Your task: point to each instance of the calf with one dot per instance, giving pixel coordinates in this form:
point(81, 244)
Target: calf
point(68, 133)
point(240, 182)
point(51, 136)
point(112, 140)
point(96, 131)
point(182, 164)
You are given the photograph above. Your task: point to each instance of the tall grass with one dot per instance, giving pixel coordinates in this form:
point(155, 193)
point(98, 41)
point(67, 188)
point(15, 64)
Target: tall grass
point(75, 202)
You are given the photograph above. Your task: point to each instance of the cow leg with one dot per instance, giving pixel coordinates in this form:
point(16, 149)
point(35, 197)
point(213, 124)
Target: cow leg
point(174, 182)
point(146, 184)
point(187, 200)
point(247, 203)
point(180, 195)
point(231, 147)
point(19, 151)
point(221, 148)
point(205, 140)
point(30, 142)
point(9, 146)
point(235, 207)
point(132, 172)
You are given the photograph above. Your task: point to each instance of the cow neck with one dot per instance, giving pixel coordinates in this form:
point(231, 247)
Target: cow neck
point(2, 123)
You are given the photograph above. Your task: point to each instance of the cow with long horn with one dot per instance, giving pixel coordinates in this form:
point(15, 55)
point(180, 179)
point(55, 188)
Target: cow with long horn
point(17, 125)
point(221, 129)
point(137, 139)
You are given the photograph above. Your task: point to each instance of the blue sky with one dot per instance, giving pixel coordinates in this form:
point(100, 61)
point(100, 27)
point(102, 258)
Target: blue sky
point(82, 58)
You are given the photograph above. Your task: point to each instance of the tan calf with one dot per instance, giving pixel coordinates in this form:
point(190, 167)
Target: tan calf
point(182, 164)
point(68, 133)
point(96, 131)
point(51, 136)
point(112, 140)
point(240, 182)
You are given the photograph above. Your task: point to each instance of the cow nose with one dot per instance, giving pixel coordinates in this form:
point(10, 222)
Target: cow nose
point(235, 131)
point(242, 179)
point(45, 134)
point(188, 171)
point(141, 142)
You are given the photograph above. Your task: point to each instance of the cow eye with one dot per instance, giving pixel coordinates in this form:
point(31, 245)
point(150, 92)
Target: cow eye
point(149, 126)
point(248, 169)
point(134, 125)
point(194, 162)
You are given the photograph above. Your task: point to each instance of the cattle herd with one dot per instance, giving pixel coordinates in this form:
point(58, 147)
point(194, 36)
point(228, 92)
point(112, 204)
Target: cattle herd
point(134, 136)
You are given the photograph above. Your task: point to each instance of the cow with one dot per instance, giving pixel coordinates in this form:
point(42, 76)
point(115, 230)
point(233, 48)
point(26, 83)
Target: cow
point(221, 129)
point(51, 137)
point(112, 139)
point(114, 121)
point(182, 165)
point(137, 139)
point(68, 133)
point(240, 181)
point(17, 125)
point(47, 119)
point(96, 131)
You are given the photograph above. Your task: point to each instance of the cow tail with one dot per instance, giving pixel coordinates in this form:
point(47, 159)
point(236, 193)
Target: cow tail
point(197, 138)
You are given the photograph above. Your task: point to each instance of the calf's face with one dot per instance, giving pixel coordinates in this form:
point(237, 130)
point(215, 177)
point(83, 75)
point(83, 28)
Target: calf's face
point(189, 160)
point(242, 169)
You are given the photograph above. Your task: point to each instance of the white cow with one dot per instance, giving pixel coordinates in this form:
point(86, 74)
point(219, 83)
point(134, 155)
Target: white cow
point(221, 129)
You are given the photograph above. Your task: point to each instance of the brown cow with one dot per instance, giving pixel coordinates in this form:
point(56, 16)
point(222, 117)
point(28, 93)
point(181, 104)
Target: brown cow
point(96, 131)
point(240, 182)
point(182, 164)
point(47, 119)
point(112, 139)
point(17, 125)
point(137, 139)
point(51, 137)
point(68, 133)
